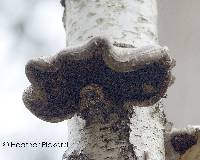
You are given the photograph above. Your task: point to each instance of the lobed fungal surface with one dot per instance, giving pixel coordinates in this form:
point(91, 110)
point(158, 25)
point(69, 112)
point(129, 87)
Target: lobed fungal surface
point(141, 77)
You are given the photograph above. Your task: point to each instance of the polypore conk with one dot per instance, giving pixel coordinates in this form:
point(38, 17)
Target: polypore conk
point(56, 82)
point(183, 144)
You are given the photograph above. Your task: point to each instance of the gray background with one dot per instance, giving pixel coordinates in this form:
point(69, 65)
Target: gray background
point(179, 26)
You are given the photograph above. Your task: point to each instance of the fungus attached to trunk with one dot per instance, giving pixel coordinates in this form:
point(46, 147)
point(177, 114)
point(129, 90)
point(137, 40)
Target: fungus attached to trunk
point(183, 141)
point(182, 144)
point(141, 76)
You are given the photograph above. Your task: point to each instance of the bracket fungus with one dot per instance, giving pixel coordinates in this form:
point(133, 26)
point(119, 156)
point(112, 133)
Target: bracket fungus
point(141, 76)
point(183, 144)
point(183, 141)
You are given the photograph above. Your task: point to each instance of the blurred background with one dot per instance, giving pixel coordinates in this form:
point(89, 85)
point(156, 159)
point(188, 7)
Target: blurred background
point(28, 29)
point(33, 28)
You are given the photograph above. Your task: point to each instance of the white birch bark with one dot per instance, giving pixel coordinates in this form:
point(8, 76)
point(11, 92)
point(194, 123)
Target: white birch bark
point(127, 21)
point(133, 22)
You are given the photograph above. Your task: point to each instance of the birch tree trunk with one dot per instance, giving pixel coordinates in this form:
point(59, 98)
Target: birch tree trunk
point(139, 134)
point(109, 85)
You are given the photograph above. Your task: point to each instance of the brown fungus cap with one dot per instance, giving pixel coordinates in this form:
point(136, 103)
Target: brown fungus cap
point(181, 142)
point(140, 76)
